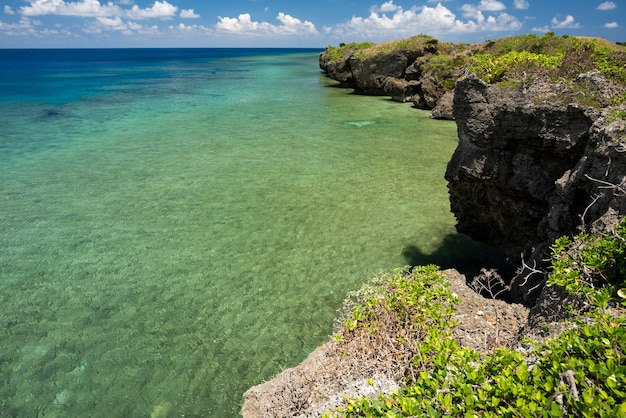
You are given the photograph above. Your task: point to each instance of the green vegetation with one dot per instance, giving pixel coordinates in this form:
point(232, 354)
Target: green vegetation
point(414, 43)
point(407, 296)
point(421, 298)
point(512, 61)
point(591, 268)
point(337, 53)
point(493, 68)
point(559, 57)
point(444, 67)
point(580, 373)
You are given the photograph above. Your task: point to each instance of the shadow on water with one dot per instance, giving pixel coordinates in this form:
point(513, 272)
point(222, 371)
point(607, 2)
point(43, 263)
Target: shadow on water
point(460, 252)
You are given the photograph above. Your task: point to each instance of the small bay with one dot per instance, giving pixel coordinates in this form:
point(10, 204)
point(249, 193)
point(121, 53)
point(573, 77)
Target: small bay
point(179, 225)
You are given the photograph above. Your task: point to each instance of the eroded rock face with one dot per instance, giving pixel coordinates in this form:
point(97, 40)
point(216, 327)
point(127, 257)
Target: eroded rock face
point(338, 70)
point(397, 74)
point(530, 168)
point(371, 74)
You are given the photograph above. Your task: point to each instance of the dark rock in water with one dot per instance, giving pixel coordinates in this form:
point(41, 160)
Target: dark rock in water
point(338, 70)
point(51, 112)
point(444, 107)
point(370, 74)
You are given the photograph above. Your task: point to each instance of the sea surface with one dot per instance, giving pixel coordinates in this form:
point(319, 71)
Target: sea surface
point(177, 225)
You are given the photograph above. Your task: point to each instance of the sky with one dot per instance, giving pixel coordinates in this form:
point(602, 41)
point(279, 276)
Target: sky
point(294, 23)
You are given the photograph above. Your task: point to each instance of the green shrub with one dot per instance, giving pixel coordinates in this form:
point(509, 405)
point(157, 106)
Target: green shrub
point(611, 63)
point(580, 373)
point(492, 68)
point(337, 53)
point(591, 267)
point(421, 297)
point(443, 67)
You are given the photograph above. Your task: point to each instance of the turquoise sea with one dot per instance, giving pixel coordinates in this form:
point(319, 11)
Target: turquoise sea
point(179, 225)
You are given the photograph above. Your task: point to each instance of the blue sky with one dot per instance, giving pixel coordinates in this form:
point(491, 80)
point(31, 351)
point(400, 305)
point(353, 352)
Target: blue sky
point(284, 23)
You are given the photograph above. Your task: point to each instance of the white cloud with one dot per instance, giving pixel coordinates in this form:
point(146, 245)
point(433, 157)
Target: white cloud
point(542, 29)
point(607, 5)
point(83, 8)
point(188, 14)
point(160, 9)
point(8, 10)
point(114, 23)
point(104, 25)
point(24, 26)
point(431, 20)
point(568, 23)
point(470, 10)
point(474, 11)
point(294, 25)
point(491, 5)
point(385, 7)
point(521, 4)
point(33, 29)
point(243, 24)
point(93, 8)
point(611, 25)
point(184, 31)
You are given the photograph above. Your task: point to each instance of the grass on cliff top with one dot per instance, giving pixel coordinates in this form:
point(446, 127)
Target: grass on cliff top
point(345, 50)
point(415, 43)
point(369, 49)
point(560, 57)
point(511, 60)
point(580, 373)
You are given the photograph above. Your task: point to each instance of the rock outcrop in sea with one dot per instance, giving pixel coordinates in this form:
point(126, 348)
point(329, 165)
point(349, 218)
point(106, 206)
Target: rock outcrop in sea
point(541, 150)
point(399, 73)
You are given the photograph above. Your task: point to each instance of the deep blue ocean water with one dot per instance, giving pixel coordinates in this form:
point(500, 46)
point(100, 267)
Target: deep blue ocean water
point(177, 225)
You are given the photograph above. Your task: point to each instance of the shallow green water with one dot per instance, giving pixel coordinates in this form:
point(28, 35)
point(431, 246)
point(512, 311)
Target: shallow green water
point(173, 250)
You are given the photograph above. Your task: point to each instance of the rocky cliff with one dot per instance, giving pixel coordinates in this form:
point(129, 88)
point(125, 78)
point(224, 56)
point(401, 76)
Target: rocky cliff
point(535, 165)
point(541, 154)
point(541, 146)
point(400, 72)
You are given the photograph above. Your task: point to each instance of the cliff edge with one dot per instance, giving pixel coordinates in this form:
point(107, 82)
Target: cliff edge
point(542, 154)
point(540, 123)
point(535, 162)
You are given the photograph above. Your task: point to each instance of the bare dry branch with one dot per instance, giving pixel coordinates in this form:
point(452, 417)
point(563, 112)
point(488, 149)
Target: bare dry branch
point(606, 185)
point(489, 283)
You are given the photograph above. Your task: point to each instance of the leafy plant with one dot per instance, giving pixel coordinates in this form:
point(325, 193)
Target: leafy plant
point(591, 267)
point(580, 373)
point(443, 68)
point(492, 68)
point(405, 295)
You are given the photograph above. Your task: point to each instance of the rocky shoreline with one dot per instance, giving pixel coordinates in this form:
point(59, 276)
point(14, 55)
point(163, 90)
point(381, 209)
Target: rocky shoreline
point(539, 157)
